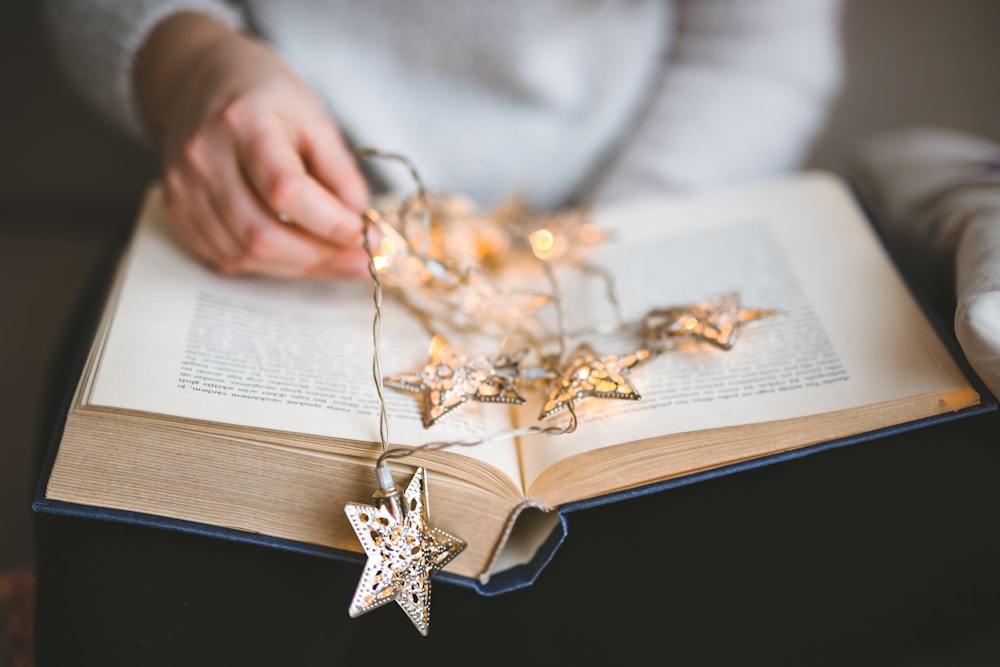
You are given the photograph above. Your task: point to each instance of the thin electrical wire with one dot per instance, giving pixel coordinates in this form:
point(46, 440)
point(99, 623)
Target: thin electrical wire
point(396, 453)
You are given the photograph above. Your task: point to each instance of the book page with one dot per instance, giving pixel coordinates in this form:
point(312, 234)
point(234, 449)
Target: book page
point(849, 333)
point(292, 356)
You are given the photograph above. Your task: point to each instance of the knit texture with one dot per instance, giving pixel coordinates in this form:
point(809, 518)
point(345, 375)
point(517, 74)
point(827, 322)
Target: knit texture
point(563, 101)
point(936, 192)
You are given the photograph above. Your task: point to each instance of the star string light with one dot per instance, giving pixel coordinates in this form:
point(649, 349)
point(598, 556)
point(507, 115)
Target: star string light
point(452, 379)
point(440, 257)
point(404, 550)
point(548, 236)
point(717, 321)
point(585, 375)
point(442, 271)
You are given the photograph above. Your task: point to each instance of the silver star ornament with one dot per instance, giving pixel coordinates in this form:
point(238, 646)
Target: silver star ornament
point(717, 321)
point(451, 379)
point(585, 375)
point(404, 551)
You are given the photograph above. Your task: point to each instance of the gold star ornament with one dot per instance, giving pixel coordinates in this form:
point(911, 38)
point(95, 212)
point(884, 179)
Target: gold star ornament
point(451, 379)
point(404, 551)
point(585, 375)
point(717, 321)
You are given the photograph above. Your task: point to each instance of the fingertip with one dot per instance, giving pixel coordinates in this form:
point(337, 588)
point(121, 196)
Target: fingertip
point(332, 164)
point(353, 266)
point(350, 188)
point(347, 265)
point(356, 197)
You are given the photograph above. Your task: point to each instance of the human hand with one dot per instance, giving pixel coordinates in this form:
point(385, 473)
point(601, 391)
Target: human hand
point(257, 178)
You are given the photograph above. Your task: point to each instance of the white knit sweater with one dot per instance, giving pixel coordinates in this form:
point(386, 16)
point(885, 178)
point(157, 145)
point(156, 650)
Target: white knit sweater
point(562, 101)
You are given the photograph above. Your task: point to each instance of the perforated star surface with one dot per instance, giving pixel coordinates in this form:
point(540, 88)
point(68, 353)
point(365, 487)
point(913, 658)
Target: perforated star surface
point(404, 552)
point(585, 375)
point(717, 321)
point(451, 379)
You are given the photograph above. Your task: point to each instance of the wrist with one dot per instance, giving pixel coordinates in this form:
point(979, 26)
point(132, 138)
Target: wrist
point(167, 56)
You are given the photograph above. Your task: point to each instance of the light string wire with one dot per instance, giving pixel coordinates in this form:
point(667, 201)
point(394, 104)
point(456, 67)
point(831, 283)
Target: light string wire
point(397, 453)
point(421, 195)
point(383, 422)
point(610, 290)
point(557, 304)
point(552, 298)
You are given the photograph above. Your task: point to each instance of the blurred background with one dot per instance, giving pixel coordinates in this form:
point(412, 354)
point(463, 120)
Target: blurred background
point(68, 184)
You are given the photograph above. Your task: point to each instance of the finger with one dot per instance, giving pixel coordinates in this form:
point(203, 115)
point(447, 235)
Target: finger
point(333, 165)
point(201, 167)
point(182, 222)
point(279, 177)
point(269, 246)
point(236, 243)
point(195, 220)
point(339, 263)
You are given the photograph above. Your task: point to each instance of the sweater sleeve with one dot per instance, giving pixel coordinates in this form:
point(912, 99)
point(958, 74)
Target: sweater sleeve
point(935, 193)
point(95, 42)
point(743, 94)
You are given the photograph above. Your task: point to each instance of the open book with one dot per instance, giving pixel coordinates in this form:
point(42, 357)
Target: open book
point(246, 407)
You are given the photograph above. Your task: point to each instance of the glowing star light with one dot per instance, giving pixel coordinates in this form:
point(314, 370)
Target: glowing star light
point(587, 376)
point(403, 550)
point(717, 321)
point(451, 379)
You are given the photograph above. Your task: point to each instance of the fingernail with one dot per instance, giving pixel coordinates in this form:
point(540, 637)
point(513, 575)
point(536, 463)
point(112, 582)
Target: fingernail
point(358, 200)
point(374, 237)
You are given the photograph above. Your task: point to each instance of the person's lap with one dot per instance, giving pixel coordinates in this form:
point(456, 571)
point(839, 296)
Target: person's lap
point(885, 548)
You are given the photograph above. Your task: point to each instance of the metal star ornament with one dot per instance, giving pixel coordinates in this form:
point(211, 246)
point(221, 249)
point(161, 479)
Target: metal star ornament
point(585, 375)
point(451, 379)
point(404, 551)
point(717, 321)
